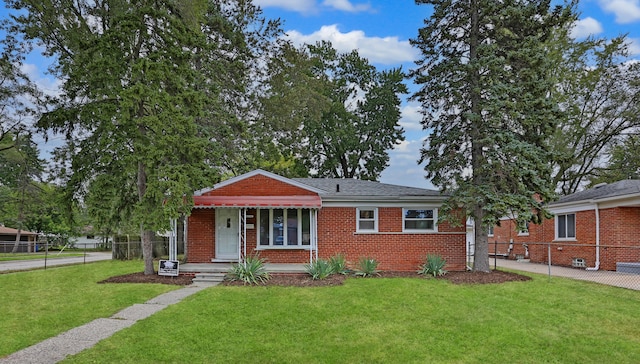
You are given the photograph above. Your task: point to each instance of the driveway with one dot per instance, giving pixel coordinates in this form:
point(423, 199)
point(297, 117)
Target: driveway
point(14, 265)
point(623, 280)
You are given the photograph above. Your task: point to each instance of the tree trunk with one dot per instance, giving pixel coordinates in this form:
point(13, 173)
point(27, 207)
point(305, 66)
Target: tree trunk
point(481, 248)
point(16, 245)
point(146, 236)
point(147, 251)
point(481, 253)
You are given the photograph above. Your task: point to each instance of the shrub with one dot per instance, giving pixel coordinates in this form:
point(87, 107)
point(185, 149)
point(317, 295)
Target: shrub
point(434, 265)
point(367, 267)
point(339, 264)
point(252, 271)
point(319, 269)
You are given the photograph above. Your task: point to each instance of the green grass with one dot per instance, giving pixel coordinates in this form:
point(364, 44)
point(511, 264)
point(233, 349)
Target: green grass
point(40, 304)
point(40, 255)
point(388, 321)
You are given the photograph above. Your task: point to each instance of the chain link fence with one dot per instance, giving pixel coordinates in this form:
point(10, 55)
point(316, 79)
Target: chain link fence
point(617, 265)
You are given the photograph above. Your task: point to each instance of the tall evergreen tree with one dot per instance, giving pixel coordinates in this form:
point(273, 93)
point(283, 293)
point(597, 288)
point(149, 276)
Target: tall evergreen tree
point(484, 76)
point(129, 101)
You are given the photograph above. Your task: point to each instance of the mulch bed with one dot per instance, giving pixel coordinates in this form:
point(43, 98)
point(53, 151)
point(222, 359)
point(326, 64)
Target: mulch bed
point(303, 280)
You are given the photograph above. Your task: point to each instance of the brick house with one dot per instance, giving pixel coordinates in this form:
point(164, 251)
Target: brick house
point(301, 219)
point(596, 228)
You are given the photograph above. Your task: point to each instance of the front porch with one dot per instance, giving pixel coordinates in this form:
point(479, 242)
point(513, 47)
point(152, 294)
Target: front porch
point(194, 268)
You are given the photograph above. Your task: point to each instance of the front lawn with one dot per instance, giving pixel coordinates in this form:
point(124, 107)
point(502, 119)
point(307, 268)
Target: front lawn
point(388, 320)
point(40, 304)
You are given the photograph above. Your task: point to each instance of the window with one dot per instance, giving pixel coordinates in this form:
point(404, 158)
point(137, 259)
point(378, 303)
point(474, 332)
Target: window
point(490, 231)
point(419, 220)
point(566, 226)
point(367, 219)
point(284, 227)
point(524, 231)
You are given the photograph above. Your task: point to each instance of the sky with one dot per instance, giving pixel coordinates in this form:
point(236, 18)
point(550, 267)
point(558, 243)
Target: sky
point(380, 30)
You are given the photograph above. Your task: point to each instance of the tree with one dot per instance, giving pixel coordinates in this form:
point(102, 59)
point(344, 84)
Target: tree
point(334, 112)
point(623, 162)
point(21, 170)
point(600, 94)
point(129, 101)
point(484, 76)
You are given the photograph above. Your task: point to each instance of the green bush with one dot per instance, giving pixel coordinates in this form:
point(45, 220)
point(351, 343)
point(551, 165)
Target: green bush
point(368, 267)
point(252, 271)
point(319, 269)
point(434, 265)
point(339, 264)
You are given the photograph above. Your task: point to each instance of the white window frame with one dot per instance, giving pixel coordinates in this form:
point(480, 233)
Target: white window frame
point(285, 212)
point(557, 226)
point(490, 231)
point(435, 220)
point(375, 219)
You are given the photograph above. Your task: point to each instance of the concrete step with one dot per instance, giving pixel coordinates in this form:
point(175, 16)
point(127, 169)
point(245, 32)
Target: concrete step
point(210, 278)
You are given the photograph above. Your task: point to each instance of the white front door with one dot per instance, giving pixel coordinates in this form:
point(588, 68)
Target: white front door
point(227, 234)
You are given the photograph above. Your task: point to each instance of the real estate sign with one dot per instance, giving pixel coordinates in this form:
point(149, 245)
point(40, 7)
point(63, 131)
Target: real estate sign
point(168, 268)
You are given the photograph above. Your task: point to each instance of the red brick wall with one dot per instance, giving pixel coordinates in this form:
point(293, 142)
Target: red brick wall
point(619, 239)
point(336, 234)
point(200, 236)
point(259, 185)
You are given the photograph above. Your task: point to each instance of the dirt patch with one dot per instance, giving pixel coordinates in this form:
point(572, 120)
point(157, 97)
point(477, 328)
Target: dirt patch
point(304, 280)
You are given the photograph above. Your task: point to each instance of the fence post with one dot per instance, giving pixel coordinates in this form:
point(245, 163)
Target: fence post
point(495, 255)
point(46, 252)
point(549, 258)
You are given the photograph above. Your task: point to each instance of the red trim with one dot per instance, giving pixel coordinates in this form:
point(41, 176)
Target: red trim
point(311, 202)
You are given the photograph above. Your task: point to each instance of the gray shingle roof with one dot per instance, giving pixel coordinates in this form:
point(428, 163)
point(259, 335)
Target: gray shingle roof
point(340, 187)
point(617, 189)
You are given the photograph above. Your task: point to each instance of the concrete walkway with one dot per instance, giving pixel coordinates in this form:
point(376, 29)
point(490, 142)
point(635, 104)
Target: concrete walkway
point(56, 349)
point(623, 280)
point(16, 265)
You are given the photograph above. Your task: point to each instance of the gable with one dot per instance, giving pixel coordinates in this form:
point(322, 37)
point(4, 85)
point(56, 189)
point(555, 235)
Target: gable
point(260, 185)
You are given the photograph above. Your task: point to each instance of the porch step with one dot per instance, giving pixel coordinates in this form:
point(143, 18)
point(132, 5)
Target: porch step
point(209, 279)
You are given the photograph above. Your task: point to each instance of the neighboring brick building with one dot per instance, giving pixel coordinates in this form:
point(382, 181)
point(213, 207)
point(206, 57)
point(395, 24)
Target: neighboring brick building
point(595, 228)
point(301, 219)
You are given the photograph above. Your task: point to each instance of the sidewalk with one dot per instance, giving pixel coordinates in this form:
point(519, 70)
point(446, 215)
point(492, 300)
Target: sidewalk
point(57, 348)
point(15, 265)
point(623, 280)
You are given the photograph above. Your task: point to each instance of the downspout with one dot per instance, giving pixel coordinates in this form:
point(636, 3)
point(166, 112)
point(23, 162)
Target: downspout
point(597, 266)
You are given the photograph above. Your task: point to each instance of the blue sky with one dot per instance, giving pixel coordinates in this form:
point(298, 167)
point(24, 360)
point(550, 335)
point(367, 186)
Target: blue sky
point(380, 30)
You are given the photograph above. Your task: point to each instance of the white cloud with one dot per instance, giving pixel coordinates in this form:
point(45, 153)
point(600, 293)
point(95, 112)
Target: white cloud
point(403, 167)
point(634, 46)
point(387, 50)
point(346, 5)
point(626, 11)
point(586, 27)
point(411, 116)
point(300, 6)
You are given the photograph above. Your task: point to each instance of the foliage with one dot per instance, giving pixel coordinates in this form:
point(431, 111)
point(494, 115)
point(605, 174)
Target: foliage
point(367, 267)
point(333, 111)
point(338, 264)
point(623, 162)
point(251, 271)
point(319, 269)
point(485, 75)
point(600, 93)
point(434, 265)
point(149, 93)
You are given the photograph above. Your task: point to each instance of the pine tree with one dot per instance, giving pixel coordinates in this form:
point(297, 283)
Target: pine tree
point(484, 76)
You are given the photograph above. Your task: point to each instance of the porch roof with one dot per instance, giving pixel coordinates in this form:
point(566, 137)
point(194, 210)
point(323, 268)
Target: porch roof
point(309, 202)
